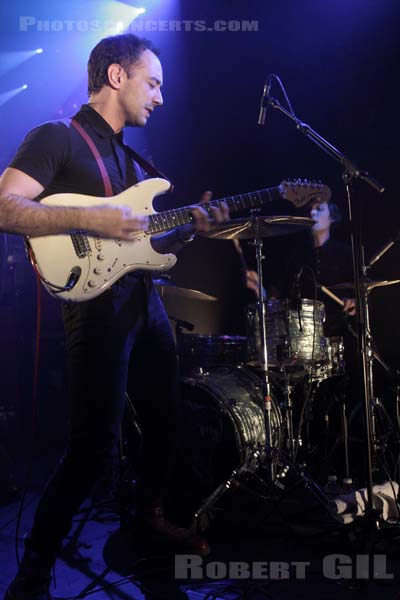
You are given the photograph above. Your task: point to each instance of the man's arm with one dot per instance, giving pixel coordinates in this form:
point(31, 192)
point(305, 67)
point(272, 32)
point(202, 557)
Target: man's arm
point(20, 214)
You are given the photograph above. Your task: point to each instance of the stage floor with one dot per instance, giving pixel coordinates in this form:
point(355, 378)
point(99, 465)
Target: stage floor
point(249, 559)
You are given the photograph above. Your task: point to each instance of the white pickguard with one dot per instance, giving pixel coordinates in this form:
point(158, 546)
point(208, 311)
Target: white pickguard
point(108, 259)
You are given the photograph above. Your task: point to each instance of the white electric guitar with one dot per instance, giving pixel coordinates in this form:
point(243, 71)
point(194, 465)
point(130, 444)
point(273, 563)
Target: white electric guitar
point(77, 266)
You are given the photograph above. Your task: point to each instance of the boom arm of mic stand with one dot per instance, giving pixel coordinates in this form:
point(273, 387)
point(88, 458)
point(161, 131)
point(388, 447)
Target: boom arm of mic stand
point(351, 170)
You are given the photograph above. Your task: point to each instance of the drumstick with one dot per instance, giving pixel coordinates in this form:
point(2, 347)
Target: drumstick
point(328, 292)
point(239, 250)
point(332, 295)
point(341, 302)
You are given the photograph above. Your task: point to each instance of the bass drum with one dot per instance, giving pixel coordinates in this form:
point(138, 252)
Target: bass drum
point(222, 428)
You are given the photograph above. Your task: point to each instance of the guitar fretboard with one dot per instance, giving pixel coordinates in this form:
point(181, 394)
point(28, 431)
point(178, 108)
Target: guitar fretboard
point(169, 219)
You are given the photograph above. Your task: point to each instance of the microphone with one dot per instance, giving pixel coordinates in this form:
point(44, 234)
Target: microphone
point(264, 101)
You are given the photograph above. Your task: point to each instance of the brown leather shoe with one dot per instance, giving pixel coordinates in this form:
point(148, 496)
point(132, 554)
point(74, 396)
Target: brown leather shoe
point(154, 521)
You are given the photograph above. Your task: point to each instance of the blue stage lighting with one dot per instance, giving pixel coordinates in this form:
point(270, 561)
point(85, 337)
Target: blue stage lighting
point(6, 96)
point(39, 50)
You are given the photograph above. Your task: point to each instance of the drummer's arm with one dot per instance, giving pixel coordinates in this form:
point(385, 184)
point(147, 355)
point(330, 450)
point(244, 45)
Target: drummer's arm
point(252, 283)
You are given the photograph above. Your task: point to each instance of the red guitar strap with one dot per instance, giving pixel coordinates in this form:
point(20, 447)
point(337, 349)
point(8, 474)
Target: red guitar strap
point(148, 167)
point(100, 163)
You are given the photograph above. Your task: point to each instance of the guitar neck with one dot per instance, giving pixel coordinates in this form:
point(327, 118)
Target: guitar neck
point(169, 219)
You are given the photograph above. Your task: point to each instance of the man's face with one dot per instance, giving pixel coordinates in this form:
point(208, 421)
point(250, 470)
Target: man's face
point(320, 213)
point(140, 91)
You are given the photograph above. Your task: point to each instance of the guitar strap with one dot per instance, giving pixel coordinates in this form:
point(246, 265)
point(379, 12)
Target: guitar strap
point(148, 167)
point(100, 163)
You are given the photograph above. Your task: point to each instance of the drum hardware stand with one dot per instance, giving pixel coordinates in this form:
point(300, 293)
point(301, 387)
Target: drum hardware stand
point(345, 438)
point(303, 477)
point(398, 405)
point(292, 443)
point(266, 387)
point(372, 352)
point(231, 481)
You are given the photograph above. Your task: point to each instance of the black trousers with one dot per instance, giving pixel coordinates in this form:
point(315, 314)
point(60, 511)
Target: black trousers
point(119, 341)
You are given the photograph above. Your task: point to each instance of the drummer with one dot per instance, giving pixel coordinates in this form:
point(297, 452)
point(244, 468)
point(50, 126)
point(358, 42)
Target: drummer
point(318, 258)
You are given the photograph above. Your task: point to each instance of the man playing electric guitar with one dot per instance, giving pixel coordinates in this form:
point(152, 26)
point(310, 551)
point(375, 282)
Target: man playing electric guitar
point(115, 340)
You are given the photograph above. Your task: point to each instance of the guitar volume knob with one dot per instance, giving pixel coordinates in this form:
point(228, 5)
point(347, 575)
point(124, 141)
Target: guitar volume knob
point(100, 256)
point(97, 271)
point(91, 283)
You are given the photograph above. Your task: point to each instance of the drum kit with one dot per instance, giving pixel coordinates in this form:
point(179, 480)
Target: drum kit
point(243, 413)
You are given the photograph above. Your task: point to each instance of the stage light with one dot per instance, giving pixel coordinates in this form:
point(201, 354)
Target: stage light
point(119, 26)
point(140, 11)
point(12, 59)
point(6, 96)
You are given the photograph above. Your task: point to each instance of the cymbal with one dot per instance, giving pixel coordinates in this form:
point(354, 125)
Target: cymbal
point(168, 289)
point(259, 227)
point(368, 283)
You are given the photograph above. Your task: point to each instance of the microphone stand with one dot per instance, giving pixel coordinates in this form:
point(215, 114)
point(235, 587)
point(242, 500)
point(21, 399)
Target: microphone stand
point(352, 172)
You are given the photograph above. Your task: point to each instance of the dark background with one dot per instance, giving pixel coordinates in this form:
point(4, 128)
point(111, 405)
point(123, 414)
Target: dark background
point(339, 62)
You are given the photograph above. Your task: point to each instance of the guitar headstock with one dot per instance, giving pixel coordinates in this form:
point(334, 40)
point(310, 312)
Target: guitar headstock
point(301, 191)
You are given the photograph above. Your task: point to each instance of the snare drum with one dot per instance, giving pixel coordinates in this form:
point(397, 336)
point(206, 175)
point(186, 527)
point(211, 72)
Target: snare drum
point(295, 336)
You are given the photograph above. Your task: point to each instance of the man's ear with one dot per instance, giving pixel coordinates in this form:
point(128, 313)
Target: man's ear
point(114, 72)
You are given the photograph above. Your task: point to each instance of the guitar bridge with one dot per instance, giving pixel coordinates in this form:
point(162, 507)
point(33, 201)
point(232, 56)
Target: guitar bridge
point(81, 243)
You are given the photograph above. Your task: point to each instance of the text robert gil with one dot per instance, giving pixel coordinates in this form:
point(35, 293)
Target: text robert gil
point(334, 566)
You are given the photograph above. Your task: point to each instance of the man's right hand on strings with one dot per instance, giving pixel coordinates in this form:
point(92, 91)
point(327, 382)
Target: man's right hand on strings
point(114, 221)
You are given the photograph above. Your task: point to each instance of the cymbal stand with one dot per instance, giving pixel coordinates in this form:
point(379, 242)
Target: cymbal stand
point(370, 363)
point(266, 387)
point(372, 354)
point(292, 442)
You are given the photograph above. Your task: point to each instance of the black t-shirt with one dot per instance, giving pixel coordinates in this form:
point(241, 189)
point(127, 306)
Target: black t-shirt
point(331, 263)
point(56, 156)
point(293, 275)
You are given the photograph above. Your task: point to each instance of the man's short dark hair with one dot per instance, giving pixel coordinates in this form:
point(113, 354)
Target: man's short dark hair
point(124, 49)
